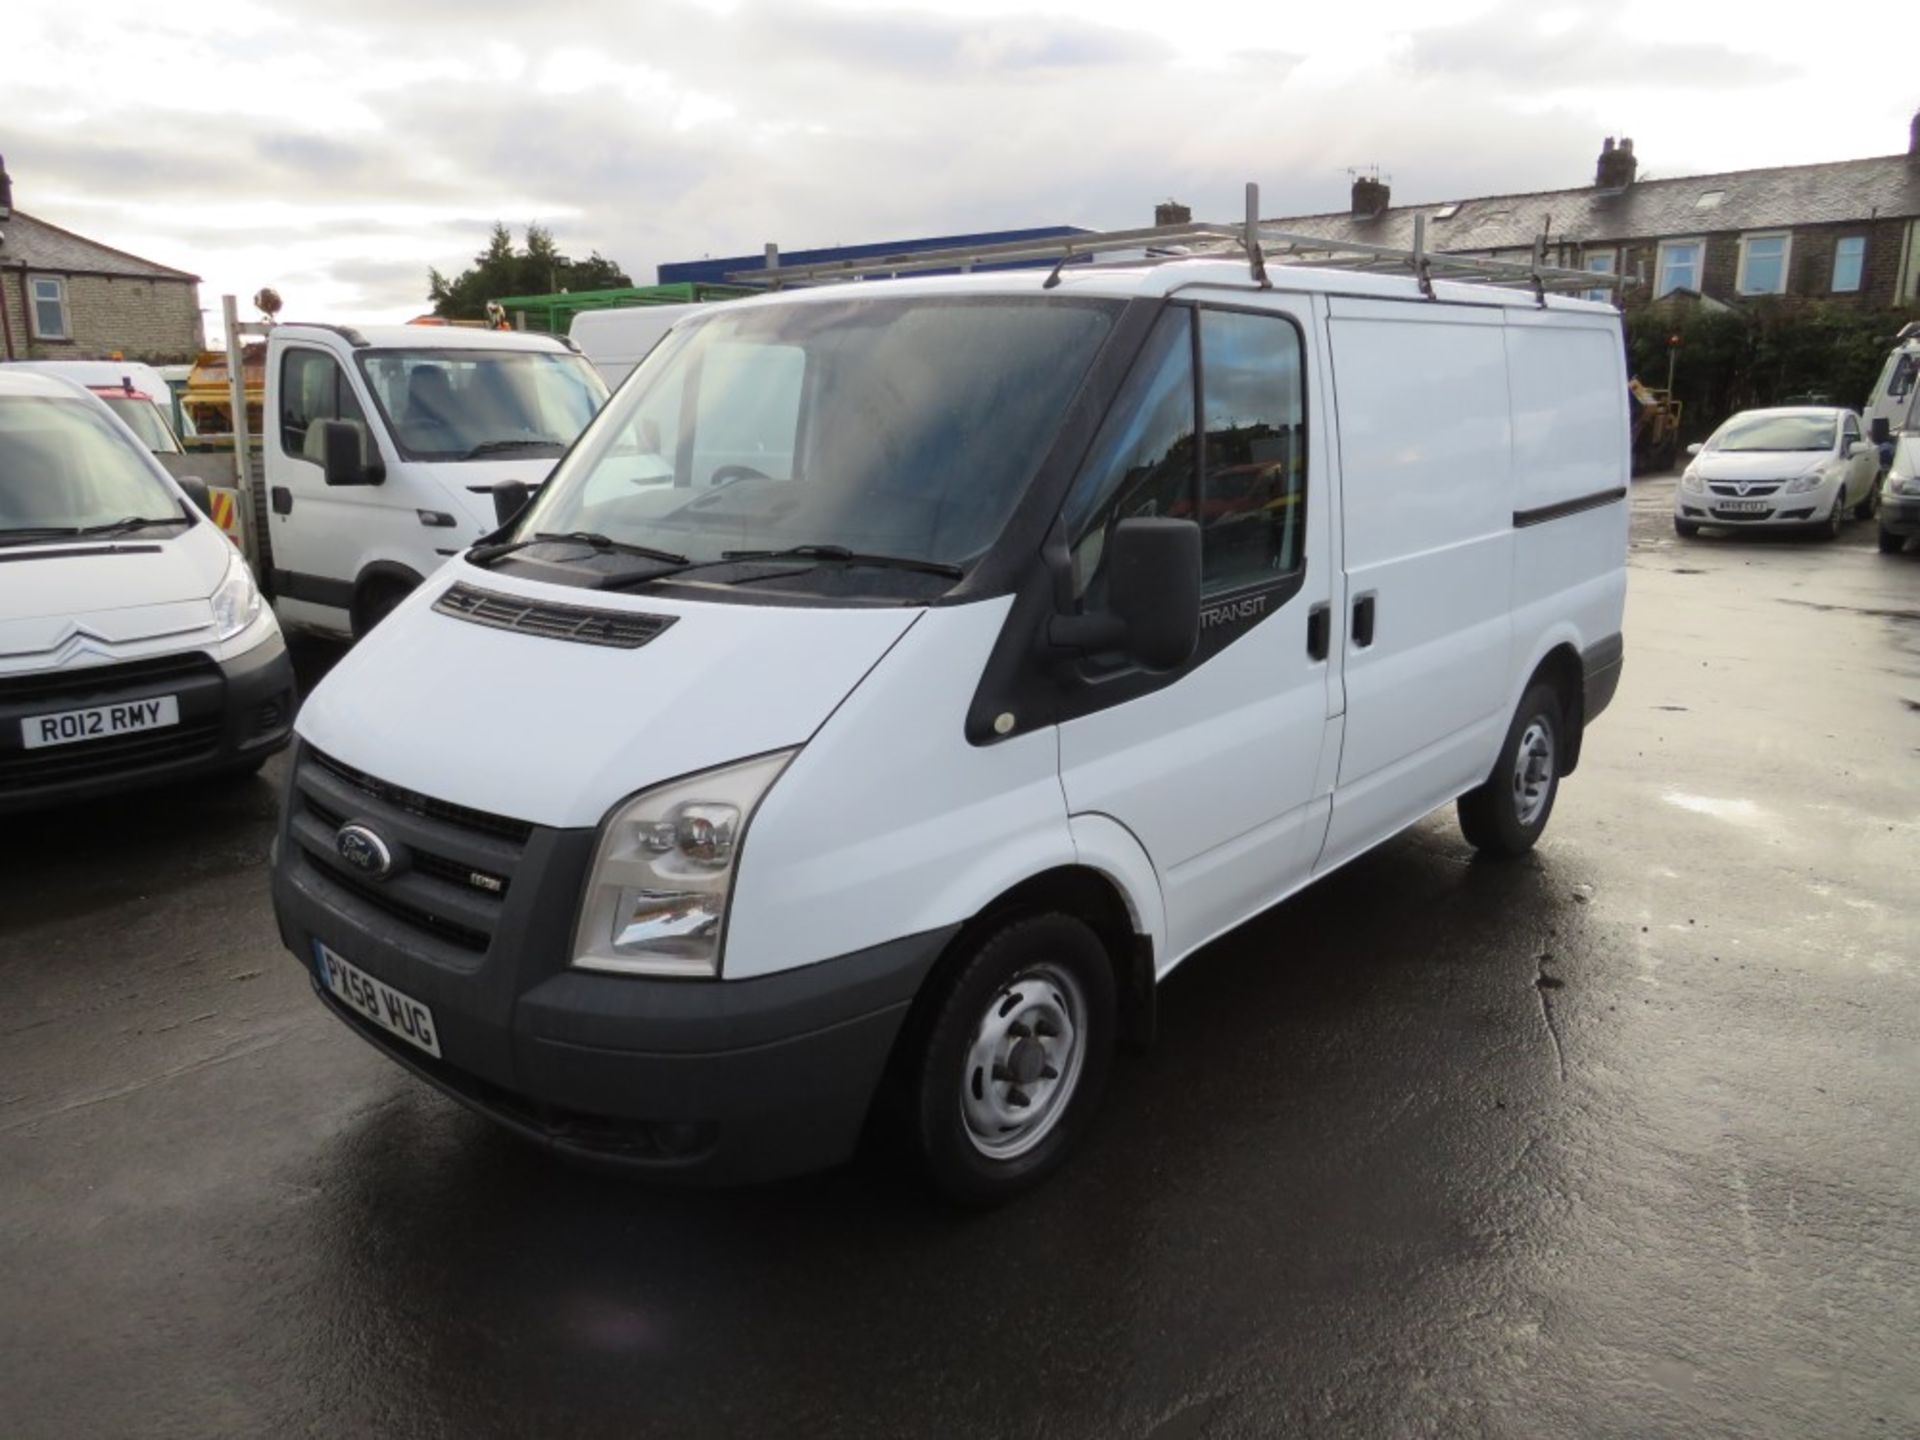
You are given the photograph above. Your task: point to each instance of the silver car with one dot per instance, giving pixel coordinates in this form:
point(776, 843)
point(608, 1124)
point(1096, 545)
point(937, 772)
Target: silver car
point(1802, 466)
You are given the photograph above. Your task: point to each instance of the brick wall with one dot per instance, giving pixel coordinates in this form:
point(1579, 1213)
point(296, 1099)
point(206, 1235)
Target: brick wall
point(1809, 264)
point(157, 321)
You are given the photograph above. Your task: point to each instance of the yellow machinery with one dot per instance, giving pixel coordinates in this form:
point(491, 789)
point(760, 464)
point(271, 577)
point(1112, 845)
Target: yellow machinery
point(1656, 428)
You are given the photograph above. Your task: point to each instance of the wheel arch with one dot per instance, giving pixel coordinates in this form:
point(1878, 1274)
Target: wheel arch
point(1561, 667)
point(374, 578)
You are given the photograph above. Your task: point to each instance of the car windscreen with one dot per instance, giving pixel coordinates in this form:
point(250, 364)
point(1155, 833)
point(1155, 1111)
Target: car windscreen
point(1776, 432)
point(143, 417)
point(64, 466)
point(473, 404)
point(905, 427)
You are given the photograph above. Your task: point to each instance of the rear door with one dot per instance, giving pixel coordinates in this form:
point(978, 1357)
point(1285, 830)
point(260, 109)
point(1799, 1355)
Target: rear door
point(1216, 769)
point(1427, 497)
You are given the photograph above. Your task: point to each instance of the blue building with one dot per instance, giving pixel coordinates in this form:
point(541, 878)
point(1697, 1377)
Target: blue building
point(715, 272)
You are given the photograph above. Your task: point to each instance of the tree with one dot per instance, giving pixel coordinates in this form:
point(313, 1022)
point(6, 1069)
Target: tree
point(500, 270)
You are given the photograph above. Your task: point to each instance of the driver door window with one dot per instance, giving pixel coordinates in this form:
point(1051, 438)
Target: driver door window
point(313, 387)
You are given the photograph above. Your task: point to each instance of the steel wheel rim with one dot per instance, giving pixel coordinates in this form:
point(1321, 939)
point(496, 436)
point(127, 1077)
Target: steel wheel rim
point(1024, 1061)
point(1533, 772)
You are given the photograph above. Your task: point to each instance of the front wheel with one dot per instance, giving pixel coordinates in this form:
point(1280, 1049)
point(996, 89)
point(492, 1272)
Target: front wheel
point(1504, 816)
point(1685, 529)
point(1015, 1059)
point(1829, 529)
point(1864, 510)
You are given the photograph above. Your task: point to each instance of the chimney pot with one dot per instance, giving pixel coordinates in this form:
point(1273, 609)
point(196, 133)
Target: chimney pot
point(1913, 136)
point(1172, 212)
point(1371, 196)
point(6, 191)
point(1616, 166)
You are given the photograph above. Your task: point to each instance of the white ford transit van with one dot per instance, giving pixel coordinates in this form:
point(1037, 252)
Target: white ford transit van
point(429, 425)
point(899, 679)
point(134, 645)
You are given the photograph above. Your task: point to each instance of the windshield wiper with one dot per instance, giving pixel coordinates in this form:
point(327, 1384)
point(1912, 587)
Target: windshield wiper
point(600, 544)
point(493, 447)
point(22, 534)
point(129, 522)
point(841, 555)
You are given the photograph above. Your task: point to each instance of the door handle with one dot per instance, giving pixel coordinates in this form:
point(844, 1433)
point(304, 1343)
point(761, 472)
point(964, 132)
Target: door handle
point(282, 500)
point(1363, 622)
point(1319, 630)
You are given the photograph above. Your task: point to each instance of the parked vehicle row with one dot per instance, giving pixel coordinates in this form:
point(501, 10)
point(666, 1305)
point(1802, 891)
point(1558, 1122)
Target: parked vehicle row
point(896, 681)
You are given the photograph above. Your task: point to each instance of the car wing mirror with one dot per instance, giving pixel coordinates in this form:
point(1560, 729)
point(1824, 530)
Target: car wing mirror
point(1153, 596)
point(344, 458)
point(195, 489)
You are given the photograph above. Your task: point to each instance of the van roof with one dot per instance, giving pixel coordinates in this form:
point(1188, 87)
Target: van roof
point(28, 382)
point(424, 337)
point(1166, 277)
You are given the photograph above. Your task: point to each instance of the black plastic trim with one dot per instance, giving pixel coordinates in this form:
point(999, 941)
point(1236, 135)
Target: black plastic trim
point(1563, 508)
point(1600, 666)
point(313, 589)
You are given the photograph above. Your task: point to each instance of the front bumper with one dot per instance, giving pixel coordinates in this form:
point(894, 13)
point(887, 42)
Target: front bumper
point(232, 714)
point(718, 1081)
point(1900, 514)
point(1778, 509)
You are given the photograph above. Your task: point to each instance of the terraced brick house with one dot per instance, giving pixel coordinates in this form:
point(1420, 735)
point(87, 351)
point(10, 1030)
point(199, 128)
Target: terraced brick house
point(1843, 232)
point(65, 297)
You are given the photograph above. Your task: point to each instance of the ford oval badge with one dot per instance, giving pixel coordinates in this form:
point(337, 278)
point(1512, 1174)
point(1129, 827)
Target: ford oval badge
point(364, 850)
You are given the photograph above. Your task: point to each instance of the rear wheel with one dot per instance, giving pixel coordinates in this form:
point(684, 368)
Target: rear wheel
point(1503, 817)
point(1015, 1059)
point(1890, 543)
point(1685, 529)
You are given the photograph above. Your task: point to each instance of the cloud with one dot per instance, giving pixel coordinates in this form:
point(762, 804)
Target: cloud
point(1537, 48)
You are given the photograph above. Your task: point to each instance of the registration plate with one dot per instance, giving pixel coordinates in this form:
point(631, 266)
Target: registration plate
point(1743, 507)
point(376, 1000)
point(66, 727)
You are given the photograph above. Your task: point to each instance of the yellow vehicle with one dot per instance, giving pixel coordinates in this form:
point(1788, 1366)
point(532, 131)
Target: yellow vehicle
point(1656, 428)
point(208, 398)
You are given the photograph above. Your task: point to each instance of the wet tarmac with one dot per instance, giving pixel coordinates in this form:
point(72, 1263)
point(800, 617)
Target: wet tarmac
point(1623, 1140)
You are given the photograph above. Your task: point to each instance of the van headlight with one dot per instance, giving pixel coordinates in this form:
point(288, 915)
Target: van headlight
point(236, 602)
point(662, 873)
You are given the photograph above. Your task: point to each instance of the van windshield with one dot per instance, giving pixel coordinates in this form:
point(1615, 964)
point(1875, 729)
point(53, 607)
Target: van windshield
point(1777, 432)
point(473, 404)
point(904, 428)
point(143, 417)
point(65, 469)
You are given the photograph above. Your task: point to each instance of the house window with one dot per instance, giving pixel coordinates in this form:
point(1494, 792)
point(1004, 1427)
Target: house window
point(1679, 266)
point(1710, 200)
point(1849, 256)
point(1602, 262)
point(50, 308)
point(1763, 264)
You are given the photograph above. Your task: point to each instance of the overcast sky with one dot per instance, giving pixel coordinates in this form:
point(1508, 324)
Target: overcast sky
point(336, 150)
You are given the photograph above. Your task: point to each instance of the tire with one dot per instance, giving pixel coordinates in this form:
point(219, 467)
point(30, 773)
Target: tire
point(1866, 508)
point(1829, 528)
point(1685, 529)
point(968, 1129)
point(1890, 543)
point(1503, 817)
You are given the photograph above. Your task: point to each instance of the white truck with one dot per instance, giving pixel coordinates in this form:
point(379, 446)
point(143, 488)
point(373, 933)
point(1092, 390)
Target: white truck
point(390, 448)
point(1889, 409)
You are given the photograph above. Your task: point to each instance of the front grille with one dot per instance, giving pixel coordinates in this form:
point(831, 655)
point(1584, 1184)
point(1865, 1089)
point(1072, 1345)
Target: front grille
point(1734, 517)
point(455, 864)
point(22, 770)
point(1755, 488)
point(621, 629)
point(425, 806)
point(91, 681)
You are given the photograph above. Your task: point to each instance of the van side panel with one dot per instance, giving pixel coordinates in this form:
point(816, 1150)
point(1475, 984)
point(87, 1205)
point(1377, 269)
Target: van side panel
point(1571, 448)
point(1427, 498)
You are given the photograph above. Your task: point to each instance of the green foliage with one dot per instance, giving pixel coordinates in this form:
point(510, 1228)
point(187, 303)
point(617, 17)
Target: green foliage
point(500, 270)
point(1768, 352)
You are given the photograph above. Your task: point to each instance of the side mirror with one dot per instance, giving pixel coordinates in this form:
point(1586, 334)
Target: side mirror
point(1881, 430)
point(196, 491)
point(510, 497)
point(1153, 596)
point(1694, 449)
point(344, 465)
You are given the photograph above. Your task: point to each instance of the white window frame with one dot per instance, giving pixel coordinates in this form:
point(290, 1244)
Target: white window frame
point(1785, 237)
point(1660, 286)
point(35, 300)
point(1860, 273)
point(1611, 267)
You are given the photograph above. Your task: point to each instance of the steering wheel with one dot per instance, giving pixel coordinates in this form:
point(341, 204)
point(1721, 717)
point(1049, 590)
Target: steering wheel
point(727, 474)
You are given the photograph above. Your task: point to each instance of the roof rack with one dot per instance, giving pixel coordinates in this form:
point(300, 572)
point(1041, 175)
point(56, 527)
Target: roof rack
point(1261, 243)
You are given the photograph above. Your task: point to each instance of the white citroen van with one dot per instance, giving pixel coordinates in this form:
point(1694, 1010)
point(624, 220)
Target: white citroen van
point(390, 448)
point(134, 645)
point(899, 679)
